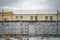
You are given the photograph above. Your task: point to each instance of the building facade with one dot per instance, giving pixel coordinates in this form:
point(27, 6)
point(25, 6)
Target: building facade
point(31, 24)
point(9, 16)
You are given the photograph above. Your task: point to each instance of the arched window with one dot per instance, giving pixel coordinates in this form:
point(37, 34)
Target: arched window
point(46, 18)
point(31, 17)
point(36, 18)
point(51, 18)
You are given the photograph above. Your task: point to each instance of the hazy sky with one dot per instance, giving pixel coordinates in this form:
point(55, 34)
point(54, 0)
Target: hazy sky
point(51, 5)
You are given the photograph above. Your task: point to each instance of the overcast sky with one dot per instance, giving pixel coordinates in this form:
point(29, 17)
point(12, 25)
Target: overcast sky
point(17, 5)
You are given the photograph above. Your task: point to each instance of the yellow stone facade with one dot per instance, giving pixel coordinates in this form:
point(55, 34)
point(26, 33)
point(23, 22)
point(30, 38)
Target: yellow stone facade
point(6, 16)
point(9, 16)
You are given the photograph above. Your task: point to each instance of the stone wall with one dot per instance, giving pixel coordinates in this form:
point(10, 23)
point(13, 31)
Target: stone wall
point(29, 28)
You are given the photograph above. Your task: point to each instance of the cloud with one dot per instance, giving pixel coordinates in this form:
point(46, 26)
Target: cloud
point(55, 4)
point(30, 4)
point(9, 2)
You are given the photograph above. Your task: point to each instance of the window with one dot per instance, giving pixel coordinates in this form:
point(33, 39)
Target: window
point(46, 17)
point(15, 28)
point(31, 17)
point(21, 16)
point(51, 18)
point(5, 19)
point(36, 17)
point(11, 28)
point(17, 17)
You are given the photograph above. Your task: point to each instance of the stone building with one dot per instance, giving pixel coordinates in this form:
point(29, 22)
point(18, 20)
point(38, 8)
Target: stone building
point(31, 24)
